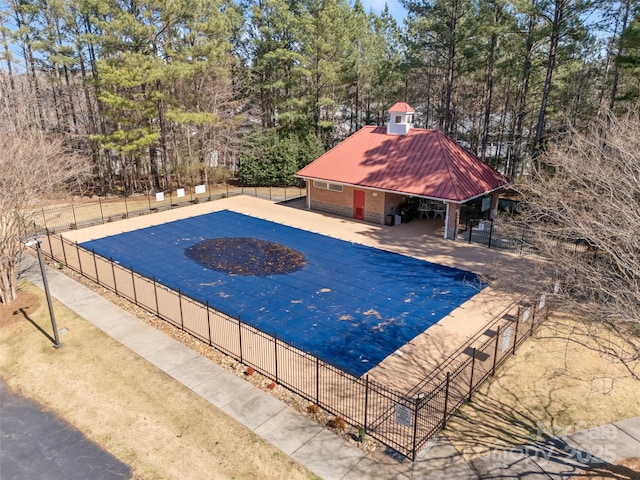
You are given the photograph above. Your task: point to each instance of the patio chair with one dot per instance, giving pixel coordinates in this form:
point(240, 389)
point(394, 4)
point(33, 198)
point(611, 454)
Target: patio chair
point(424, 208)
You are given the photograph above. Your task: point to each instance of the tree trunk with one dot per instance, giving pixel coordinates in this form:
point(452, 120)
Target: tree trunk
point(616, 67)
point(451, 54)
point(516, 143)
point(558, 16)
point(489, 85)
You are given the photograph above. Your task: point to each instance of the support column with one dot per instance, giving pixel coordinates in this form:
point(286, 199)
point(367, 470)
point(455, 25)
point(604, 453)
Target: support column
point(451, 220)
point(495, 196)
point(308, 201)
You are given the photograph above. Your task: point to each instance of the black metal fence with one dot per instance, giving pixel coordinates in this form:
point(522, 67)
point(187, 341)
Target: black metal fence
point(78, 214)
point(404, 421)
point(514, 238)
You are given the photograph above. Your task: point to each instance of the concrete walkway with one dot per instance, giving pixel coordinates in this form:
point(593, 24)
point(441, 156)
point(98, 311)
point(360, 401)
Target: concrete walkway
point(315, 447)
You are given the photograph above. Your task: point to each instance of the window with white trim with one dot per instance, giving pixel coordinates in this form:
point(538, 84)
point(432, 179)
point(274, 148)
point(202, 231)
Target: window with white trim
point(335, 187)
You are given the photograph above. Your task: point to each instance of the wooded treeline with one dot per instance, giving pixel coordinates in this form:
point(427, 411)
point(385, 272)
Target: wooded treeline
point(164, 93)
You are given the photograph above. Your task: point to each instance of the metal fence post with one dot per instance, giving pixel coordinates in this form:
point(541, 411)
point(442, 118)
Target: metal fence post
point(469, 227)
point(473, 366)
point(73, 210)
point(155, 291)
point(366, 400)
point(317, 380)
point(49, 241)
point(101, 212)
point(113, 273)
point(209, 321)
point(446, 400)
point(95, 265)
point(44, 219)
point(240, 337)
point(275, 354)
point(416, 406)
point(79, 260)
point(495, 352)
point(180, 307)
point(515, 335)
point(64, 250)
point(133, 284)
point(533, 318)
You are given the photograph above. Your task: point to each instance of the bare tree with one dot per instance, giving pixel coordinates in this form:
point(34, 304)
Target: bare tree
point(34, 168)
point(583, 210)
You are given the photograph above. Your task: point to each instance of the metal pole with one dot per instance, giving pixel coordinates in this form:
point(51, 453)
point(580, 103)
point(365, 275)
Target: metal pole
point(414, 444)
point(95, 265)
point(113, 274)
point(133, 285)
point(533, 318)
point(73, 210)
point(79, 260)
point(495, 352)
point(366, 401)
point(317, 380)
point(275, 354)
point(155, 291)
point(180, 305)
point(446, 401)
point(240, 337)
point(57, 343)
point(515, 335)
point(101, 212)
point(64, 250)
point(49, 240)
point(473, 366)
point(209, 321)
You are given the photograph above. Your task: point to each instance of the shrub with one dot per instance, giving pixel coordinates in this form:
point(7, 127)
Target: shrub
point(337, 423)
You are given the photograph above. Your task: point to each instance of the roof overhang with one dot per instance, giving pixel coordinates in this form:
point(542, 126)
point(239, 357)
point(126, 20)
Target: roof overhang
point(409, 194)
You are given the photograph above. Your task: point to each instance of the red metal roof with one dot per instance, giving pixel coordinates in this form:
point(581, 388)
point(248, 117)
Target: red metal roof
point(401, 107)
point(423, 163)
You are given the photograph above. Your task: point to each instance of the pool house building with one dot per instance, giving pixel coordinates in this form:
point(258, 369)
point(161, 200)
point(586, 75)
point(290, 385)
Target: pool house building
point(389, 174)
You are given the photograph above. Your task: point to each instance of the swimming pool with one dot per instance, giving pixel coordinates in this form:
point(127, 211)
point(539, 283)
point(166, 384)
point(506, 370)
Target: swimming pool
point(349, 304)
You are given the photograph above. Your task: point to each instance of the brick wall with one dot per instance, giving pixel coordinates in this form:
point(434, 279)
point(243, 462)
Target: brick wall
point(376, 204)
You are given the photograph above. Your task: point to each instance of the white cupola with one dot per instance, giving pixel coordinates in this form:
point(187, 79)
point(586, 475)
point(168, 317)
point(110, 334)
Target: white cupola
point(400, 119)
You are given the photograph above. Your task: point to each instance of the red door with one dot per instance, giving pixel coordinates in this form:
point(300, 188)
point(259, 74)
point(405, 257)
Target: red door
point(358, 204)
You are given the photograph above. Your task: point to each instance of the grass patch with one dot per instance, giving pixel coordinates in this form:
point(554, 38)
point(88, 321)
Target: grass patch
point(560, 381)
point(129, 407)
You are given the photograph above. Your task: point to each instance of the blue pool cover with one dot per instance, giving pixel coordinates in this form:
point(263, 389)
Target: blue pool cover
point(350, 304)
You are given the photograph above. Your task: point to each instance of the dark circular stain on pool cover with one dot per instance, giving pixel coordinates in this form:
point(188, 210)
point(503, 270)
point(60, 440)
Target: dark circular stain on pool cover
point(246, 256)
